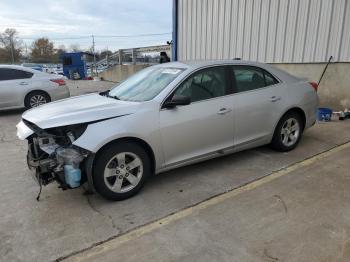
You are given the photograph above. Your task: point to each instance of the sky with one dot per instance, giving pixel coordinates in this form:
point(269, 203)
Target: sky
point(57, 19)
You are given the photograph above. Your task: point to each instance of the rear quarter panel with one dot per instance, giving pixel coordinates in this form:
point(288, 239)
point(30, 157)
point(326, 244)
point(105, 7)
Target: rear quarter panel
point(301, 94)
point(42, 82)
point(298, 93)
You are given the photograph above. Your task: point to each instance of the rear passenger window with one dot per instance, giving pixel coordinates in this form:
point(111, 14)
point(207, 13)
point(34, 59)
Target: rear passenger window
point(12, 74)
point(269, 79)
point(249, 78)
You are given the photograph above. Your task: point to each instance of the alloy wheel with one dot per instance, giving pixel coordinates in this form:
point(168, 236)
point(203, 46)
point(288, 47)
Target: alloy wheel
point(123, 172)
point(37, 100)
point(290, 132)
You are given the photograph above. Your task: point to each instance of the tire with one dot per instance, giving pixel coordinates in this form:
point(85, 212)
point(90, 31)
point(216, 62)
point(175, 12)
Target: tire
point(116, 178)
point(35, 99)
point(288, 132)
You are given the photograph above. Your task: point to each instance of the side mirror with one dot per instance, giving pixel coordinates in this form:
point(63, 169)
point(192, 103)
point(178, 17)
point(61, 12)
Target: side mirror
point(177, 101)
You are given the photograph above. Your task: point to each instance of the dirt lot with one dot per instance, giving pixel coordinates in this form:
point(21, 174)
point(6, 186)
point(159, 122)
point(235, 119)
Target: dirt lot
point(301, 215)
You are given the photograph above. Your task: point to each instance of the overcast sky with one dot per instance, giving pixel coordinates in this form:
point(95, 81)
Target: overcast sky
point(75, 18)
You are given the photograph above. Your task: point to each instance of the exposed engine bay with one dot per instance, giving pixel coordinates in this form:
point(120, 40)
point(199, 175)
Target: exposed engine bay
point(52, 157)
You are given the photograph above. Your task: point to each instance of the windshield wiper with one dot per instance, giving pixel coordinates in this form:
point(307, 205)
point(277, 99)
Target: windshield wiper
point(106, 93)
point(115, 97)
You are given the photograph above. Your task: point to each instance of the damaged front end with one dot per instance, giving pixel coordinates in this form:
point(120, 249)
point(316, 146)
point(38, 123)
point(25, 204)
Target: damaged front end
point(52, 155)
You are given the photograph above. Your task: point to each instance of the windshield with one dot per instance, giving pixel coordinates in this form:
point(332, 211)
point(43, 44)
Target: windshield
point(146, 84)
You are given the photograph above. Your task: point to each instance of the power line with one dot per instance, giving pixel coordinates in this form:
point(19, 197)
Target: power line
point(141, 35)
point(63, 38)
point(98, 36)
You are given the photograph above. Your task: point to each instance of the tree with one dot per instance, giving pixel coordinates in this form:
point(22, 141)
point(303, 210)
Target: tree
point(10, 46)
point(58, 53)
point(62, 47)
point(42, 51)
point(105, 53)
point(75, 48)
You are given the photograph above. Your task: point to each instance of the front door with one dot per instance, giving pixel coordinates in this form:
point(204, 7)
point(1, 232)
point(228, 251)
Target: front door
point(203, 127)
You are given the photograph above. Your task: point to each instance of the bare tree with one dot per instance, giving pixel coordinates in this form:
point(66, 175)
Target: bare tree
point(62, 47)
point(58, 53)
point(74, 48)
point(10, 46)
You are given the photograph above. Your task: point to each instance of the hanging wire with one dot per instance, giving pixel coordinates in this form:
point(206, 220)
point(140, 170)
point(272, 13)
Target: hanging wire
point(98, 36)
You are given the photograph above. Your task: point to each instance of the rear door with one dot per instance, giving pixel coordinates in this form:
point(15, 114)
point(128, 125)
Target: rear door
point(203, 127)
point(258, 104)
point(13, 86)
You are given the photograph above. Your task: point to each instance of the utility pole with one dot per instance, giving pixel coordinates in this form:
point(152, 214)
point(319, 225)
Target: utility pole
point(107, 62)
point(12, 53)
point(93, 50)
point(27, 56)
point(133, 55)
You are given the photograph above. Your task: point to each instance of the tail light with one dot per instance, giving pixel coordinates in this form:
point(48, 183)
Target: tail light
point(60, 82)
point(314, 85)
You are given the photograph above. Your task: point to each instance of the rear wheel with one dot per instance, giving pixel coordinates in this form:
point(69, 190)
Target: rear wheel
point(288, 132)
point(121, 170)
point(35, 99)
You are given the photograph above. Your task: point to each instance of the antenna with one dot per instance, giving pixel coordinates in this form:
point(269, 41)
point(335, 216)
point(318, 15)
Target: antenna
point(324, 70)
point(93, 51)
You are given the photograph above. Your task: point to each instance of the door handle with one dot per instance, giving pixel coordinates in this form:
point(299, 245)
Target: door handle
point(23, 83)
point(275, 98)
point(224, 110)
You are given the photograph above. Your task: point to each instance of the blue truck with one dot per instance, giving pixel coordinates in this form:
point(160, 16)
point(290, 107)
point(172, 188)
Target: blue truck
point(74, 65)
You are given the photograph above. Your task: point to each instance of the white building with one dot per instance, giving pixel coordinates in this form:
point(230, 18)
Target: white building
point(297, 35)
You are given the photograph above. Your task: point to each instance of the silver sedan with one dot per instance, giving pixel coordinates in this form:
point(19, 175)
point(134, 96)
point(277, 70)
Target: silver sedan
point(164, 117)
point(25, 87)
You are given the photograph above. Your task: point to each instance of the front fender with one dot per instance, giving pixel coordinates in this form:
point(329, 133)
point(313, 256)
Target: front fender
point(144, 126)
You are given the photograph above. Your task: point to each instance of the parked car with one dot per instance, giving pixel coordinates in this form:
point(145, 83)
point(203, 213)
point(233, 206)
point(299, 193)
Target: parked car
point(59, 71)
point(164, 117)
point(25, 87)
point(34, 66)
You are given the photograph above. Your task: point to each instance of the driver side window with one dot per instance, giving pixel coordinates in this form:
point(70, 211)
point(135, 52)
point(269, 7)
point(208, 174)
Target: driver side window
point(205, 84)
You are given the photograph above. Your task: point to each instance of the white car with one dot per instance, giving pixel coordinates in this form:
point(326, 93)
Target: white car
point(164, 117)
point(25, 87)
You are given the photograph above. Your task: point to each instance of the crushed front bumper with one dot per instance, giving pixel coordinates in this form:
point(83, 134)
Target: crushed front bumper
point(44, 168)
point(50, 151)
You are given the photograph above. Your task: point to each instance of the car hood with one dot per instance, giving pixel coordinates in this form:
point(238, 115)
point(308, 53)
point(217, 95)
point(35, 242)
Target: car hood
point(79, 109)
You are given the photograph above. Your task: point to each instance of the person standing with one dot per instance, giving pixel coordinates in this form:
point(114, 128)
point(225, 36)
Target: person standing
point(164, 58)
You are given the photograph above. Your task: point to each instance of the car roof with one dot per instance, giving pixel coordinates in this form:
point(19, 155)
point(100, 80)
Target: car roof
point(23, 68)
point(197, 64)
point(35, 73)
point(204, 63)
point(19, 68)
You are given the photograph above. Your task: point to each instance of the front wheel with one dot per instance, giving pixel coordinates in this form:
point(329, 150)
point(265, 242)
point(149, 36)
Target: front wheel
point(288, 132)
point(120, 170)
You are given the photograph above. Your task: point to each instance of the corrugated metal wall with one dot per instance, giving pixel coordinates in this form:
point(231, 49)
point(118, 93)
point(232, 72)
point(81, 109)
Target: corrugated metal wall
point(273, 31)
